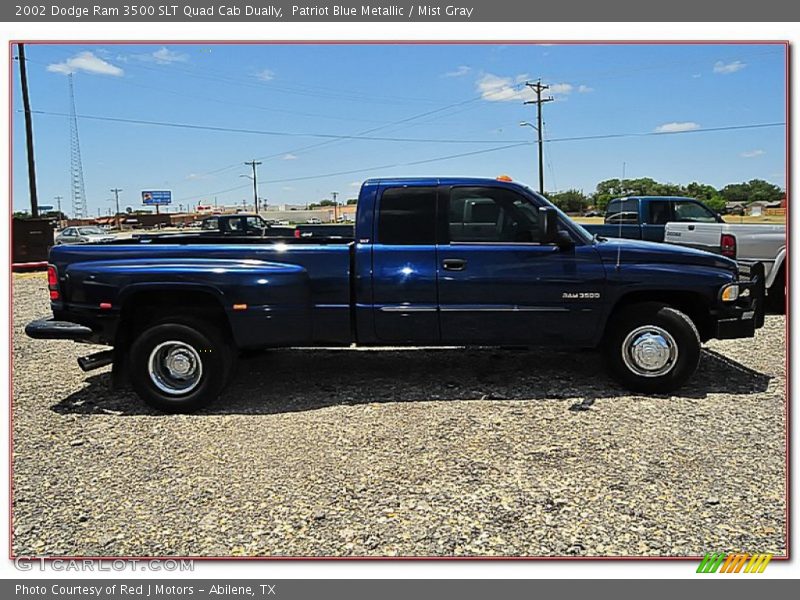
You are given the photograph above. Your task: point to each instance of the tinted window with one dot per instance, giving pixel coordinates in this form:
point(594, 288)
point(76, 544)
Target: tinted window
point(210, 224)
point(658, 212)
point(623, 210)
point(491, 215)
point(693, 211)
point(407, 216)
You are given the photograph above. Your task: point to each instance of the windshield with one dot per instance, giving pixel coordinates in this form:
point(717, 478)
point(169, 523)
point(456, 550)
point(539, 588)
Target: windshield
point(91, 231)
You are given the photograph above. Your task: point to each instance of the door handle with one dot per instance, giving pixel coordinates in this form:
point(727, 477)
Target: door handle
point(454, 264)
point(691, 227)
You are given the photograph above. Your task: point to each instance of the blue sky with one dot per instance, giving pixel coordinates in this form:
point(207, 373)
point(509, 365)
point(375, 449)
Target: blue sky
point(463, 99)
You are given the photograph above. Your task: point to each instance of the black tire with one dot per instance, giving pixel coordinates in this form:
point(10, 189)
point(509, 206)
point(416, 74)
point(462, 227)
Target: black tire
point(196, 340)
point(648, 318)
point(776, 294)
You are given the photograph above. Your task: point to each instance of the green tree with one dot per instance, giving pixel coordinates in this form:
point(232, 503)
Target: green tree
point(569, 201)
point(755, 190)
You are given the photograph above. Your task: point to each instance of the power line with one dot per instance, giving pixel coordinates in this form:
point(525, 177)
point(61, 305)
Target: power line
point(489, 150)
point(216, 128)
point(363, 170)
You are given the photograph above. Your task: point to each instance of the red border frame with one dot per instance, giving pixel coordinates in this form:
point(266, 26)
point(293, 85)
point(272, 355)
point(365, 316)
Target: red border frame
point(787, 415)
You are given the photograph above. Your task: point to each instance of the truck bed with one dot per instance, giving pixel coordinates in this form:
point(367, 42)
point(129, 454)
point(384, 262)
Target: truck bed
point(296, 290)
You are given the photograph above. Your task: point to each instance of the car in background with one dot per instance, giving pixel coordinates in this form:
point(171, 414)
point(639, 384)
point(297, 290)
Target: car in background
point(645, 217)
point(87, 234)
point(314, 221)
point(747, 244)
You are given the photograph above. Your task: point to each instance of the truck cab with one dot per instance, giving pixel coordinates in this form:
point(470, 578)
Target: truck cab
point(645, 217)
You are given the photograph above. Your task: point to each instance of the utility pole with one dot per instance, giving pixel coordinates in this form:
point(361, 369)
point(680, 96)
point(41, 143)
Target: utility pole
point(538, 88)
point(58, 201)
point(335, 195)
point(26, 103)
point(254, 163)
point(116, 198)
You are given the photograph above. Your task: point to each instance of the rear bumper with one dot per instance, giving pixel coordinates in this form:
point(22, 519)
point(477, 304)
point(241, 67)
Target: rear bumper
point(50, 329)
point(745, 316)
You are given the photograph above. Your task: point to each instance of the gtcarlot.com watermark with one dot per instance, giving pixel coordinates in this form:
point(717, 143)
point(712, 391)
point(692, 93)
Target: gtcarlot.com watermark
point(29, 563)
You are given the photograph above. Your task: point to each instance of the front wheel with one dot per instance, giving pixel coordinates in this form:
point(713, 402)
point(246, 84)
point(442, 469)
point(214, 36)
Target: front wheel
point(179, 365)
point(651, 347)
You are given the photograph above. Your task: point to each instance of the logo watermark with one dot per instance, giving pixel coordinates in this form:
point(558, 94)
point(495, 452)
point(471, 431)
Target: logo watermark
point(720, 562)
point(32, 563)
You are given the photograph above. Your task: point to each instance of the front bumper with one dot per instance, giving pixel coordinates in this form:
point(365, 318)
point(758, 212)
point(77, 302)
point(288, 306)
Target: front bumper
point(742, 318)
point(50, 329)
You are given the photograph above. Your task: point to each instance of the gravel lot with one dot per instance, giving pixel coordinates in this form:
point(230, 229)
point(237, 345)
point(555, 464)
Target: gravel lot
point(423, 453)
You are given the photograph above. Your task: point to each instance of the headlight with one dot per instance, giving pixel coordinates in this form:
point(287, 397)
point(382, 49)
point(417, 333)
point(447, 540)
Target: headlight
point(729, 293)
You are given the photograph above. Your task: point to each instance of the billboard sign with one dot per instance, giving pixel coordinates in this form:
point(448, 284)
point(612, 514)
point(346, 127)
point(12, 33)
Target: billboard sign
point(156, 197)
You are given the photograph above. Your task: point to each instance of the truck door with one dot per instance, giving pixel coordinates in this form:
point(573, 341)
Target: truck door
point(404, 265)
point(498, 284)
point(657, 213)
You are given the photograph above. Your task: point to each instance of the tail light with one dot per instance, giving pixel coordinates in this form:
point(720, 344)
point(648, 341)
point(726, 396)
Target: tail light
point(727, 245)
point(52, 282)
point(297, 233)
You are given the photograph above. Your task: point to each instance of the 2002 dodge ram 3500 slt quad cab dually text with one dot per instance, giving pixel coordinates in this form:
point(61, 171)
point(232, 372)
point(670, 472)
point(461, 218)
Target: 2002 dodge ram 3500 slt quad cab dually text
point(433, 262)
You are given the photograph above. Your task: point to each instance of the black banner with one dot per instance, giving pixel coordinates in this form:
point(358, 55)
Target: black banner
point(383, 10)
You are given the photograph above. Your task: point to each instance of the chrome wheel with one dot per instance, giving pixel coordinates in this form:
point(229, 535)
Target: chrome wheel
point(649, 351)
point(175, 367)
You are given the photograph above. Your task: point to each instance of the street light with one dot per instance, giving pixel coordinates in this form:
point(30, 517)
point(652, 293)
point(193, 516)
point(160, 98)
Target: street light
point(250, 177)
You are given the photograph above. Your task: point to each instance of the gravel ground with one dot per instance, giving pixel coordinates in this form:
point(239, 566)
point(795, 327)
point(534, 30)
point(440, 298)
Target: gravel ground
point(416, 453)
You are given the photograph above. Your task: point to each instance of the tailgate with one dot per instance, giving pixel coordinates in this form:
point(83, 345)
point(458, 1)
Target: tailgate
point(702, 236)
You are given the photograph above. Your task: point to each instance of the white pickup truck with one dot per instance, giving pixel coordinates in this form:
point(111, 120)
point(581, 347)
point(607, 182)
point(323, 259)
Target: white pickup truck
point(746, 244)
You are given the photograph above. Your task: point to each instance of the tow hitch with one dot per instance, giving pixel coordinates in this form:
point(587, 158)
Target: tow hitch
point(96, 360)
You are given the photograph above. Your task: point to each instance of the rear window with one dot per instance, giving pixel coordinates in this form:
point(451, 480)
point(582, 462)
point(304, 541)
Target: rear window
point(623, 211)
point(407, 216)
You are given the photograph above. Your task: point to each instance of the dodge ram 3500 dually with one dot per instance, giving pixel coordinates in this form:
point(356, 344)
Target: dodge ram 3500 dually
point(457, 261)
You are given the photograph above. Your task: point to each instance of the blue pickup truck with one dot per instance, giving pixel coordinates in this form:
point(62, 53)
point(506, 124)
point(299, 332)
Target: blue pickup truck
point(433, 262)
point(646, 217)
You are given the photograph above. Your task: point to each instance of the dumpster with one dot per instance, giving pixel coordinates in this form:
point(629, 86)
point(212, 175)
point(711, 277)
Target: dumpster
point(31, 240)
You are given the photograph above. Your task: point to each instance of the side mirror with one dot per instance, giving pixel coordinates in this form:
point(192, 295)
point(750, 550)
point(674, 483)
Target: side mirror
point(548, 225)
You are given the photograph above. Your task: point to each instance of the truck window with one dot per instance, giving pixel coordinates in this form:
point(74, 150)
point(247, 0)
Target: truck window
point(686, 210)
point(407, 216)
point(658, 212)
point(623, 211)
point(210, 224)
point(485, 214)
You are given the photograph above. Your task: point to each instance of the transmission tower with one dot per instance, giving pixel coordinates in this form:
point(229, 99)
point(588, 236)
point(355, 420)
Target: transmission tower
point(75, 164)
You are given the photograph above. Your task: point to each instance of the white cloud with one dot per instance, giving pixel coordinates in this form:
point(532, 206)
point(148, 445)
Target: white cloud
point(459, 71)
point(585, 89)
point(500, 89)
point(722, 68)
point(752, 153)
point(265, 75)
point(355, 184)
point(495, 88)
point(696, 76)
point(559, 89)
point(675, 127)
point(287, 188)
point(86, 62)
point(289, 156)
point(166, 56)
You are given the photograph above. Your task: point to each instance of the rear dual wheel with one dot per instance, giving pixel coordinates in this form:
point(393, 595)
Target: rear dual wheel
point(180, 365)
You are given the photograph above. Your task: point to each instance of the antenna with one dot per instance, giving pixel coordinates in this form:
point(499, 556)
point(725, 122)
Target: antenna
point(619, 231)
